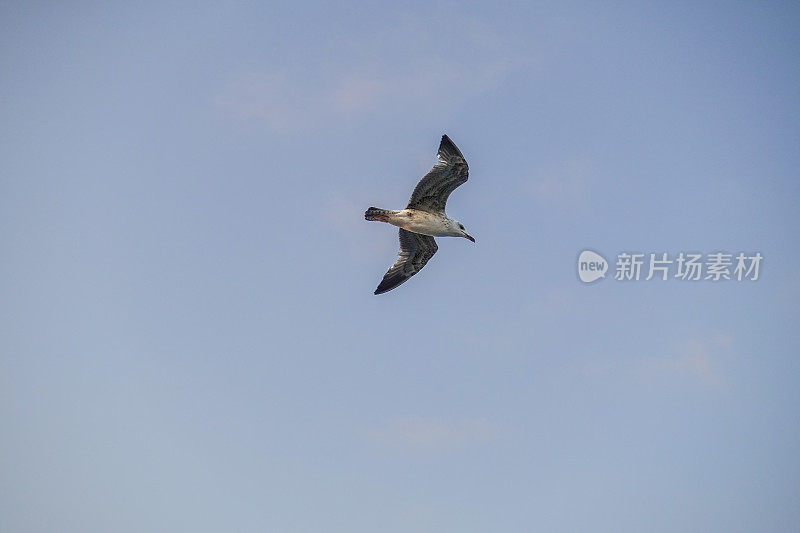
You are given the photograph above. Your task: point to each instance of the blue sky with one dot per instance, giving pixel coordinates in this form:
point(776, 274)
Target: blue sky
point(189, 339)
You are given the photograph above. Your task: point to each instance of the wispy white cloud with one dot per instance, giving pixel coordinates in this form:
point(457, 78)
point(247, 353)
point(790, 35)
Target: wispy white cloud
point(700, 358)
point(428, 434)
point(277, 97)
point(358, 93)
point(407, 70)
point(566, 183)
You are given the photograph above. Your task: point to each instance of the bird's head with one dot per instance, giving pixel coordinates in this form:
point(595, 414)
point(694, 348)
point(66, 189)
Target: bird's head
point(462, 232)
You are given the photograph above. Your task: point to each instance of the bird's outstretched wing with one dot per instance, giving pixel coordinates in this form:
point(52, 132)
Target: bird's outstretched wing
point(432, 191)
point(415, 251)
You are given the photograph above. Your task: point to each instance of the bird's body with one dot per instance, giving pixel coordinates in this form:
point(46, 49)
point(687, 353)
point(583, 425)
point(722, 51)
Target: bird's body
point(422, 222)
point(424, 217)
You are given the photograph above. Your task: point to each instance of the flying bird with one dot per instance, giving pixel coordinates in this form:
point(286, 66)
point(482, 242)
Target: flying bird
point(424, 217)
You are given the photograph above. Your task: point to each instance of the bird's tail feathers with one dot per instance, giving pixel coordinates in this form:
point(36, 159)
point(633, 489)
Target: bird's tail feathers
point(381, 215)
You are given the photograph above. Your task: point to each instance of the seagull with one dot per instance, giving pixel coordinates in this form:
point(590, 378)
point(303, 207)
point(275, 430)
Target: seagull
point(424, 217)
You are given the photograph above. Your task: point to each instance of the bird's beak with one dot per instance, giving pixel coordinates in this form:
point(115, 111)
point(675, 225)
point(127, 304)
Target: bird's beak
point(470, 237)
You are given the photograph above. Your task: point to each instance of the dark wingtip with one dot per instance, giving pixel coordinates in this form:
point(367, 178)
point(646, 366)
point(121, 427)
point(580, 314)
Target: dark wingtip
point(449, 149)
point(381, 288)
point(389, 284)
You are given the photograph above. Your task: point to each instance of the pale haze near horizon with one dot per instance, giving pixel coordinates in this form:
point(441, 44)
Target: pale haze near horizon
point(189, 339)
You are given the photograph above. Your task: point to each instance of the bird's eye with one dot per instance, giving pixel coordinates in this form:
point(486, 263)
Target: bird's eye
point(461, 226)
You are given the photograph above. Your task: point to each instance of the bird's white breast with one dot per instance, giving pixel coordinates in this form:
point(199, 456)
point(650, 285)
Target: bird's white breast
point(422, 222)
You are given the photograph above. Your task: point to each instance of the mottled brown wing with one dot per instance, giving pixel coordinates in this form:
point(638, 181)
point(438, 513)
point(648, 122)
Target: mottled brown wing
point(432, 191)
point(415, 251)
